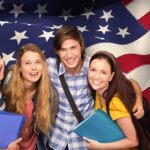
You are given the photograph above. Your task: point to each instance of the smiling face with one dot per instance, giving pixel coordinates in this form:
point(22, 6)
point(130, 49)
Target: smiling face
point(1, 69)
point(99, 74)
point(31, 67)
point(70, 56)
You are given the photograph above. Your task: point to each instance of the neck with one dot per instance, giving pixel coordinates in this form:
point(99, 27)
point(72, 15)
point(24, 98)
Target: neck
point(73, 71)
point(30, 90)
point(29, 94)
point(29, 86)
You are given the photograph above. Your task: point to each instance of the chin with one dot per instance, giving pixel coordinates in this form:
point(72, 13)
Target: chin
point(34, 80)
point(72, 66)
point(97, 88)
point(94, 88)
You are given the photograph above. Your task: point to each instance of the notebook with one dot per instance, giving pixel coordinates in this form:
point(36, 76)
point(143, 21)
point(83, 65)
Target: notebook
point(100, 127)
point(10, 127)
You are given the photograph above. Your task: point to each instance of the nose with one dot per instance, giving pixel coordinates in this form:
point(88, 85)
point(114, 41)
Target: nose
point(68, 53)
point(97, 76)
point(33, 66)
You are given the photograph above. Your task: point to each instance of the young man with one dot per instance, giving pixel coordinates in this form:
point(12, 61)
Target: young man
point(70, 49)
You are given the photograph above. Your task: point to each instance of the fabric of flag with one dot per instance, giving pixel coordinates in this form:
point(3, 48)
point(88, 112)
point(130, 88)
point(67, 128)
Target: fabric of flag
point(120, 27)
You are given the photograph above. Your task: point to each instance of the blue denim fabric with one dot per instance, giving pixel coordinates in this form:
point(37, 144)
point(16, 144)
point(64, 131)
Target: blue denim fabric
point(41, 138)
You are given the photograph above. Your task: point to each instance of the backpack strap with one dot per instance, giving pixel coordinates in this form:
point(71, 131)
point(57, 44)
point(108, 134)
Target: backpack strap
point(71, 101)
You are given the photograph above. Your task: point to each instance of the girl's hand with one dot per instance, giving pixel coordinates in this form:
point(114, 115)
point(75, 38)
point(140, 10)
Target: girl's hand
point(138, 109)
point(14, 145)
point(91, 144)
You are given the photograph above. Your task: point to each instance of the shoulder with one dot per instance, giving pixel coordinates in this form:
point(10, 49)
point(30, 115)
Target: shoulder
point(51, 60)
point(54, 99)
point(54, 103)
point(86, 59)
point(51, 65)
point(117, 104)
point(53, 91)
point(117, 108)
point(85, 64)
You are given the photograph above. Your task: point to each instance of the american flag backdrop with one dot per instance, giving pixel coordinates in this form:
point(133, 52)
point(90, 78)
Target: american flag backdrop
point(121, 27)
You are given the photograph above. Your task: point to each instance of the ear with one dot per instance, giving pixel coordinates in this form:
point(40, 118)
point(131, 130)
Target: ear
point(112, 75)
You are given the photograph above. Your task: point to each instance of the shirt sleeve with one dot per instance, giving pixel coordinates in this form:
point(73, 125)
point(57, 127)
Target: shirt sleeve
point(118, 109)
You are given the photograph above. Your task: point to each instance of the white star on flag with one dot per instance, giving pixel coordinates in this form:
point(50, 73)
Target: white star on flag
point(55, 27)
point(47, 35)
point(82, 29)
point(107, 15)
point(17, 10)
point(123, 32)
point(41, 10)
point(103, 29)
point(88, 13)
point(8, 57)
point(19, 36)
point(1, 7)
point(66, 14)
point(3, 22)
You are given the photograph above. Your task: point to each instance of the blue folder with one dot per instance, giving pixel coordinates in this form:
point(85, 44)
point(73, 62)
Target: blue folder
point(10, 127)
point(100, 127)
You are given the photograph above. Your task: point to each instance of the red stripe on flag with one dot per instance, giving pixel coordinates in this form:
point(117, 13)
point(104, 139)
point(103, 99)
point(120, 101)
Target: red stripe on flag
point(147, 95)
point(126, 2)
point(129, 62)
point(145, 21)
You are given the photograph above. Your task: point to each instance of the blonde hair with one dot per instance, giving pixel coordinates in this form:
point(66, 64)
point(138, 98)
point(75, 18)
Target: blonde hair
point(15, 90)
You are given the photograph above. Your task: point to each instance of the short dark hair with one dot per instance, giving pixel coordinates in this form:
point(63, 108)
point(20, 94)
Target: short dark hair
point(68, 32)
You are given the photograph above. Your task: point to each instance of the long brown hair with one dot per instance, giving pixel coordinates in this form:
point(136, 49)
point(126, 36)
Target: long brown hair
point(15, 90)
point(125, 91)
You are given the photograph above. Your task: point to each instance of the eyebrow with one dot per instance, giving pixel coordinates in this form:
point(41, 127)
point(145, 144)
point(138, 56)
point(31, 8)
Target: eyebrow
point(31, 60)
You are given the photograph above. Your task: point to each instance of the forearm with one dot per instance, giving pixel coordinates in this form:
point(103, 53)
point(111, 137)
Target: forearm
point(137, 89)
point(122, 144)
point(138, 106)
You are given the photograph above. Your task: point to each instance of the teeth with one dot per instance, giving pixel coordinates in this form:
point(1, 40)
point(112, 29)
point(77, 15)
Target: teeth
point(33, 73)
point(96, 82)
point(70, 60)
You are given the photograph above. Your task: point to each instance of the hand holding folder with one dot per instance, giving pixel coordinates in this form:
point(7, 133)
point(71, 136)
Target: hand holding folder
point(10, 127)
point(100, 127)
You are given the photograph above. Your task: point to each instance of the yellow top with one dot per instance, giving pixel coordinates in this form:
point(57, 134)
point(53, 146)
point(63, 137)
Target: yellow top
point(116, 109)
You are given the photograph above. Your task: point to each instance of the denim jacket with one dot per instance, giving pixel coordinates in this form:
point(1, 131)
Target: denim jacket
point(42, 138)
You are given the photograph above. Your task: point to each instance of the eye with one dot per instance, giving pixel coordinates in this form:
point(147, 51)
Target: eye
point(73, 47)
point(38, 62)
point(27, 63)
point(104, 72)
point(62, 49)
point(92, 69)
